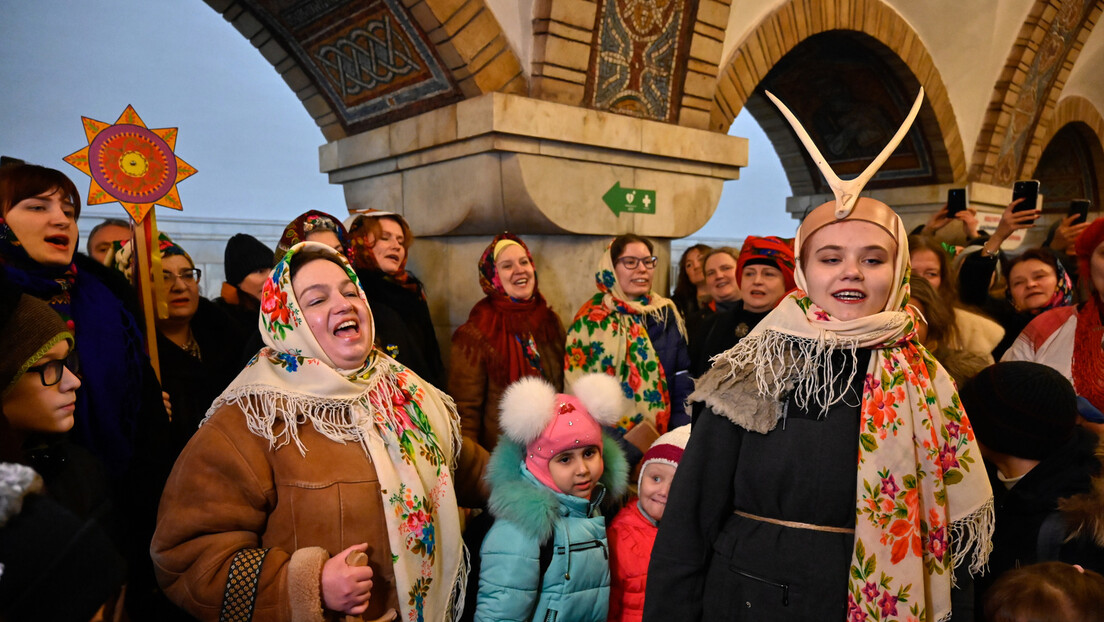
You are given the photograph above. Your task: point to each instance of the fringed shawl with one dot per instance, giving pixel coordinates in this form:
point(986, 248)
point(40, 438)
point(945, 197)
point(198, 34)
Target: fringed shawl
point(923, 502)
point(609, 335)
point(408, 428)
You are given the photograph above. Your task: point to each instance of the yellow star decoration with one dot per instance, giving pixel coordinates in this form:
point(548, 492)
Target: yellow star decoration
point(131, 164)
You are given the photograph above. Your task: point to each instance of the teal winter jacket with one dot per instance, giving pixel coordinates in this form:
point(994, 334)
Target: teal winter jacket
point(575, 588)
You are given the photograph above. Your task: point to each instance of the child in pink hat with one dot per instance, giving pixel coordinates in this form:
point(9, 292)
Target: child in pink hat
point(550, 474)
point(633, 531)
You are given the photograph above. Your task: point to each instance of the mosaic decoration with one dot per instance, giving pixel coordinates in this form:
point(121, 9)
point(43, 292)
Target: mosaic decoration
point(367, 57)
point(1036, 87)
point(639, 51)
point(854, 104)
point(131, 164)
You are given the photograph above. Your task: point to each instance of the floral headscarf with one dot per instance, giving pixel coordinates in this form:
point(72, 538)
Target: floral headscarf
point(610, 335)
point(362, 241)
point(407, 427)
point(308, 222)
point(508, 331)
point(923, 501)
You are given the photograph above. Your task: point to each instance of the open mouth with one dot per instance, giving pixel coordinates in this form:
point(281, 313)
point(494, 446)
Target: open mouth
point(58, 241)
point(584, 485)
point(521, 282)
point(347, 329)
point(849, 296)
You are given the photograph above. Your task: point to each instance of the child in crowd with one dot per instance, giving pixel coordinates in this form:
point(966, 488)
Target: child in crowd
point(1052, 591)
point(545, 557)
point(633, 531)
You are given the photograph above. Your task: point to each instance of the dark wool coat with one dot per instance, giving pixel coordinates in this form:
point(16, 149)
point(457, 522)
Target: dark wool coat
point(1069, 479)
point(719, 332)
point(404, 328)
point(727, 567)
point(671, 349)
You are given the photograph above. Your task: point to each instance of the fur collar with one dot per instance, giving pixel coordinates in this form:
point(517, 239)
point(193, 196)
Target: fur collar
point(1084, 513)
point(532, 506)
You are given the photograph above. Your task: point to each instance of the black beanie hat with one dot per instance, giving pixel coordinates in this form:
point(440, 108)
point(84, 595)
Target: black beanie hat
point(1020, 408)
point(245, 255)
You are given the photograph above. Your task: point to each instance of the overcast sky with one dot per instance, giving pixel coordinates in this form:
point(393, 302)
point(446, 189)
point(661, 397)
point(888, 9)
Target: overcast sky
point(256, 148)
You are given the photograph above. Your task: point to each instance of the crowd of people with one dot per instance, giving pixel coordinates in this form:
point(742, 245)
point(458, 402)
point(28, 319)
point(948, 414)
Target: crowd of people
point(852, 424)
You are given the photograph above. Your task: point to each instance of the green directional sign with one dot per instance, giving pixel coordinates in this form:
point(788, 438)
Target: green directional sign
point(633, 200)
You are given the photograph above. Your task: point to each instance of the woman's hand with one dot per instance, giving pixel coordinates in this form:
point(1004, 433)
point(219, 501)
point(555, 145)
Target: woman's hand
point(168, 404)
point(1067, 233)
point(969, 222)
point(346, 588)
point(936, 221)
point(1010, 222)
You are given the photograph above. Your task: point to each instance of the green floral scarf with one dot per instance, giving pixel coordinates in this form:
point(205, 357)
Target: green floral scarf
point(609, 335)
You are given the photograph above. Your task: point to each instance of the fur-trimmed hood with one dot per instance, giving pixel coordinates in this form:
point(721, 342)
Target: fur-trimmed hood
point(533, 506)
point(1084, 513)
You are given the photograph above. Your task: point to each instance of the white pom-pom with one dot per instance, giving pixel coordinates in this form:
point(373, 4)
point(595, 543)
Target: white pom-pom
point(526, 409)
point(602, 396)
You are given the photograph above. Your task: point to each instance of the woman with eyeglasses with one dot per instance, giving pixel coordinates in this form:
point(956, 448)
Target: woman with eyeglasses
point(630, 332)
point(54, 508)
point(198, 344)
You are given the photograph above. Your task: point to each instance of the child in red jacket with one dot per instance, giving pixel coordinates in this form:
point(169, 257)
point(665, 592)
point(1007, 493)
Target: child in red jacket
point(633, 531)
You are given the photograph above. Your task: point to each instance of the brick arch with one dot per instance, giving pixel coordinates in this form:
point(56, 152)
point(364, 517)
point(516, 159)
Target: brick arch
point(1016, 121)
point(798, 20)
point(1080, 112)
point(462, 37)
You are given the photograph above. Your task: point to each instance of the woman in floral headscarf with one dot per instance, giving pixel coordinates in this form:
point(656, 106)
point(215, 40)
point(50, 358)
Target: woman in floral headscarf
point(1071, 339)
point(770, 481)
point(634, 334)
point(380, 248)
point(315, 226)
point(511, 333)
point(322, 447)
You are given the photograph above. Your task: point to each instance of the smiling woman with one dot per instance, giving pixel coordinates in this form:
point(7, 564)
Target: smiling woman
point(360, 449)
point(510, 334)
point(636, 335)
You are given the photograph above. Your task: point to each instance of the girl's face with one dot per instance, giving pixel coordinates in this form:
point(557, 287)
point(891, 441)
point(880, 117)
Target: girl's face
point(636, 281)
point(692, 265)
point(1096, 268)
point(849, 268)
point(516, 273)
point(46, 226)
point(761, 287)
point(33, 407)
point(576, 471)
point(925, 263)
point(334, 311)
point(1032, 283)
point(720, 277)
point(389, 249)
point(655, 483)
point(181, 287)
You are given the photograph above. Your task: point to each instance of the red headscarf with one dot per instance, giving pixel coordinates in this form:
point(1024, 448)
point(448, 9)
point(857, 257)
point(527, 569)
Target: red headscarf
point(770, 250)
point(1088, 348)
point(508, 330)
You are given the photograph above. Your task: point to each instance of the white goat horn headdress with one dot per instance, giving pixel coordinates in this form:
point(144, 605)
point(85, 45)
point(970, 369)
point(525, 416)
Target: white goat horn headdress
point(847, 192)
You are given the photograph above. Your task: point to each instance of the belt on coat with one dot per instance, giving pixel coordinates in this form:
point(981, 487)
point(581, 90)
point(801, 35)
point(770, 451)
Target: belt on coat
point(794, 524)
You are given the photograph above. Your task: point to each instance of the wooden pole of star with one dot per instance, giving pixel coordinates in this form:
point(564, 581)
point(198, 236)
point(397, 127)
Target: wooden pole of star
point(146, 244)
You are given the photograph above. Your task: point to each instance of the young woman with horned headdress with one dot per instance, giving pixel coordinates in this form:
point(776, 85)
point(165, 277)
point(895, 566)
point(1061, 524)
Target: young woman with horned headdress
point(833, 474)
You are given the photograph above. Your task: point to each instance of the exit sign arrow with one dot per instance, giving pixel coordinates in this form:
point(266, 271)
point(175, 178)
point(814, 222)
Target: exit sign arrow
point(633, 200)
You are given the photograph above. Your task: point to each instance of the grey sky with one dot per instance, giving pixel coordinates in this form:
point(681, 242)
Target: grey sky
point(181, 65)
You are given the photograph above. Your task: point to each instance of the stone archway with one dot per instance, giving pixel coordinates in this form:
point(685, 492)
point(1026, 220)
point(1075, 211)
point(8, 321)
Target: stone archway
point(798, 20)
point(358, 65)
point(1011, 138)
point(1078, 116)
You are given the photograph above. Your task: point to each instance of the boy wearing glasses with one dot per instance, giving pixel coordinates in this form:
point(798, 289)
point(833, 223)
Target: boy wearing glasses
point(53, 495)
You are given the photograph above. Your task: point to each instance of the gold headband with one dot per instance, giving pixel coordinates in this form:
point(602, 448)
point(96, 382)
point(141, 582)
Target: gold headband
point(501, 246)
